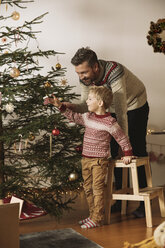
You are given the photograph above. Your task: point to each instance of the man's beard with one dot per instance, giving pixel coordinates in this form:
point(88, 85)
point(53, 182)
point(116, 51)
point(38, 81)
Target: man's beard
point(90, 82)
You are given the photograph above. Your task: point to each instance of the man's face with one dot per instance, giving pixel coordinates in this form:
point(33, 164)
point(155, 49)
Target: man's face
point(86, 73)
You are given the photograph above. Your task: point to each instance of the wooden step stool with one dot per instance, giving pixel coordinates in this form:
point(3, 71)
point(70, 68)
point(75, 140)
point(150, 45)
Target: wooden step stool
point(134, 193)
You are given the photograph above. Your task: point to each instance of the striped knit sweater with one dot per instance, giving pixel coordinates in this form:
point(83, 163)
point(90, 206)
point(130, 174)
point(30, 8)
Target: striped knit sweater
point(129, 92)
point(110, 72)
point(99, 130)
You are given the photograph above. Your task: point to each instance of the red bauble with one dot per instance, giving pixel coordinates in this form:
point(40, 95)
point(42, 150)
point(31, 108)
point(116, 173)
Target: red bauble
point(55, 132)
point(78, 148)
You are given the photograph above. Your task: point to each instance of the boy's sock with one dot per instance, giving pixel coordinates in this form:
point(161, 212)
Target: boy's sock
point(89, 224)
point(81, 222)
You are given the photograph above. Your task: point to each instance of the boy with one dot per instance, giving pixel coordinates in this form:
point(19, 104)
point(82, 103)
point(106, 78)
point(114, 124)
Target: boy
point(99, 129)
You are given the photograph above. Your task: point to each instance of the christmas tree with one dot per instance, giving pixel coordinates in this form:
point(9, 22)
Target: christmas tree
point(39, 148)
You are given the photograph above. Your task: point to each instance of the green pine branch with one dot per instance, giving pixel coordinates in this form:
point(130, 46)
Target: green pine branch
point(19, 33)
point(16, 3)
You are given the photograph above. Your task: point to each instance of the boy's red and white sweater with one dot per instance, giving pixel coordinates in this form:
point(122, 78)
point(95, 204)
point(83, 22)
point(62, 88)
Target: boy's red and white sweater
point(99, 130)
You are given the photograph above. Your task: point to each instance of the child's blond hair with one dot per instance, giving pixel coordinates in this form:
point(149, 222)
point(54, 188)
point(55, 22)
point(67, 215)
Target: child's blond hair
point(102, 93)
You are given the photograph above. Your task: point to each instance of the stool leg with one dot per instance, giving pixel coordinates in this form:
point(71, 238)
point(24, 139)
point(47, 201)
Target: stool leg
point(108, 197)
point(135, 180)
point(162, 203)
point(148, 173)
point(124, 186)
point(148, 212)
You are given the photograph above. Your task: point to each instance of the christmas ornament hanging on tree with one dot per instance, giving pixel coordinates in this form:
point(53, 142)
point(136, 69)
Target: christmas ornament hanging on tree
point(31, 137)
point(9, 107)
point(6, 6)
point(78, 148)
point(20, 143)
point(4, 39)
point(15, 15)
point(14, 72)
point(17, 36)
point(58, 66)
point(63, 82)
point(55, 132)
point(47, 84)
point(73, 176)
point(50, 145)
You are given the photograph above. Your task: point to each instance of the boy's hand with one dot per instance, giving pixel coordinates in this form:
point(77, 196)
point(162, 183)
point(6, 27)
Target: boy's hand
point(128, 159)
point(54, 101)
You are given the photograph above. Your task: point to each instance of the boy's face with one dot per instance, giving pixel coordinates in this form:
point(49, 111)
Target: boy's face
point(92, 103)
point(86, 73)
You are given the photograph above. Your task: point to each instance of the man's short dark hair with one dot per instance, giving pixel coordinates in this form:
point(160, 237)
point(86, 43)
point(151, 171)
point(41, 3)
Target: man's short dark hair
point(84, 54)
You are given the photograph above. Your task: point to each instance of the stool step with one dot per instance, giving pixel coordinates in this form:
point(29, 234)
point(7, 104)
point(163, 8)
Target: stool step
point(127, 194)
point(148, 189)
point(151, 192)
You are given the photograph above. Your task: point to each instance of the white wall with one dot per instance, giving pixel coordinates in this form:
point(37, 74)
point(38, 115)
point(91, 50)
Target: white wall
point(115, 29)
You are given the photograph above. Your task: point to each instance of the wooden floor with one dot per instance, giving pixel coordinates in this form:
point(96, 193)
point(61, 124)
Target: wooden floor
point(121, 229)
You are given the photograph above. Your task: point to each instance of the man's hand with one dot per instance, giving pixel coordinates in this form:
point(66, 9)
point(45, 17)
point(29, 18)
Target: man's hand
point(52, 100)
point(128, 159)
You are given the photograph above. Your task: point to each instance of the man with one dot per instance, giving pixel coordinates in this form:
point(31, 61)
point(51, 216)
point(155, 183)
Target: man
point(129, 106)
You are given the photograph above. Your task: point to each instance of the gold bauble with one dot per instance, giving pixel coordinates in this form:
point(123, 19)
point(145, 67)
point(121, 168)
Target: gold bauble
point(14, 72)
point(58, 66)
point(31, 137)
point(15, 15)
point(73, 176)
point(47, 84)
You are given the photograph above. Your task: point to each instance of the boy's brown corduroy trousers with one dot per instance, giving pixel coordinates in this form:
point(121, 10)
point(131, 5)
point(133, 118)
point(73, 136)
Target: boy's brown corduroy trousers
point(94, 171)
